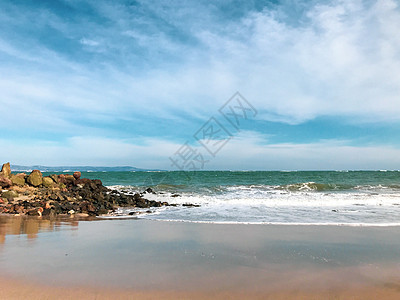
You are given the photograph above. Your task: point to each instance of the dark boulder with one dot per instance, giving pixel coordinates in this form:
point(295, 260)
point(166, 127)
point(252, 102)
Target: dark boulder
point(149, 191)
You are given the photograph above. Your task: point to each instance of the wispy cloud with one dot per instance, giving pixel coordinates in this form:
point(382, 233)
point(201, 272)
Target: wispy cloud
point(89, 42)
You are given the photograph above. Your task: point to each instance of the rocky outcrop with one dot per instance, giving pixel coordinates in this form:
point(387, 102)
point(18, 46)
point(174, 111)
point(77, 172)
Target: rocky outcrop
point(63, 194)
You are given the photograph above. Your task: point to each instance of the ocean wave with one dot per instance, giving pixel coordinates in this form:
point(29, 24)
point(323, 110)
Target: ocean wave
point(260, 190)
point(263, 204)
point(313, 186)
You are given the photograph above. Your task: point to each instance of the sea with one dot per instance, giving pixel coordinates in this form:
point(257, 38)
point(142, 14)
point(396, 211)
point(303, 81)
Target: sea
point(353, 198)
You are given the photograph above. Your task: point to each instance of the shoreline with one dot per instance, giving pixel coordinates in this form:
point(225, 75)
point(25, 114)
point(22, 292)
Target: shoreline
point(136, 216)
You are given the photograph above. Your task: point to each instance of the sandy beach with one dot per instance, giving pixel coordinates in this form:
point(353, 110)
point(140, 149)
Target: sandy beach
point(142, 259)
point(19, 290)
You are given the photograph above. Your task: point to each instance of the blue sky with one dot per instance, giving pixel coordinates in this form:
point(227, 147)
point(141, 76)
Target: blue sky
point(128, 82)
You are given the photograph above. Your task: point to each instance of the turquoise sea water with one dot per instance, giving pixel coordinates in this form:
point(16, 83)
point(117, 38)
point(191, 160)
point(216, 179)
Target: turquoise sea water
point(201, 179)
point(297, 197)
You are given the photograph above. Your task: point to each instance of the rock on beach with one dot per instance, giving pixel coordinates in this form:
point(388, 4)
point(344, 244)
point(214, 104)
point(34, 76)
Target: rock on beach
point(6, 170)
point(35, 178)
point(5, 182)
point(18, 179)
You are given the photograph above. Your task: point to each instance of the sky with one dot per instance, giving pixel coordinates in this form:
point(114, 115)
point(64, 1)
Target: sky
point(113, 83)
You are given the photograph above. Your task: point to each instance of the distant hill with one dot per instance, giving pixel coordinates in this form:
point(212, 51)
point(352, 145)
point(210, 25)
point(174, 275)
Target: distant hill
point(17, 168)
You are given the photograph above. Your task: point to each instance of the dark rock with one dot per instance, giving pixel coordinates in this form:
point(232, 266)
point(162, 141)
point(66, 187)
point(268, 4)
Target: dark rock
point(97, 182)
point(26, 204)
point(190, 205)
point(61, 178)
point(16, 208)
point(102, 211)
point(175, 195)
point(87, 207)
point(149, 191)
point(69, 180)
point(83, 181)
point(49, 212)
point(34, 212)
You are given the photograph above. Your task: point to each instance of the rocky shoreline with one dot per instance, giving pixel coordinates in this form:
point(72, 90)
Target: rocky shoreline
point(65, 194)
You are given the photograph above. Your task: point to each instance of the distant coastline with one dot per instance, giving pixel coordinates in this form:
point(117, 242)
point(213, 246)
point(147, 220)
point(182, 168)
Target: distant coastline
point(20, 168)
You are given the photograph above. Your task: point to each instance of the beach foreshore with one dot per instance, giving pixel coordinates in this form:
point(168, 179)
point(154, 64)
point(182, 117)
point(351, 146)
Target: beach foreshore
point(142, 259)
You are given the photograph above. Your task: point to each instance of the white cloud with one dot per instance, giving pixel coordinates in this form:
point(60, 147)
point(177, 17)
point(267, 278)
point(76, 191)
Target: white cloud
point(341, 60)
point(89, 42)
point(248, 151)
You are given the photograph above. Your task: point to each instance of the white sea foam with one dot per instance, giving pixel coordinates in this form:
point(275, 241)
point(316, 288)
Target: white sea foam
point(261, 204)
point(289, 223)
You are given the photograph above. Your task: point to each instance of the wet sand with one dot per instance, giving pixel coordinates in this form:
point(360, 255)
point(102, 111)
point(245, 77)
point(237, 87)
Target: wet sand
point(120, 259)
point(18, 290)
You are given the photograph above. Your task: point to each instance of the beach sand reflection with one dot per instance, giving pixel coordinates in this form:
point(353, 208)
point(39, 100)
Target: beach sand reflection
point(32, 226)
